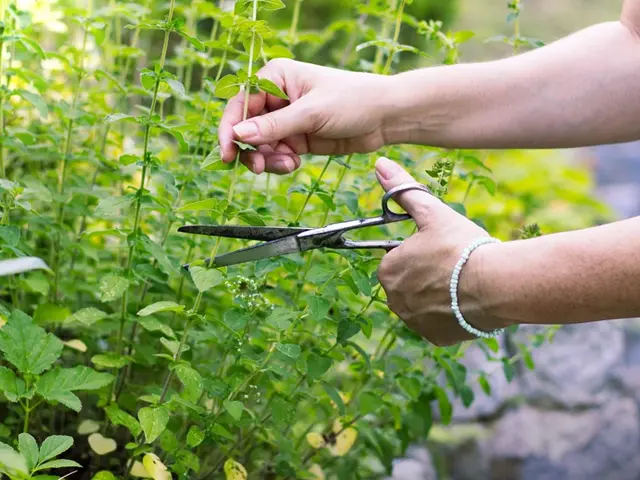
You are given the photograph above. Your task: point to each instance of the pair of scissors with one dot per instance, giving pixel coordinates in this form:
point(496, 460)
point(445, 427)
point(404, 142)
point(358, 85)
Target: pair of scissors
point(280, 241)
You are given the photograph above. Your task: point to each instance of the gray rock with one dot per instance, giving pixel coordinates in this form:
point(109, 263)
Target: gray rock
point(575, 371)
point(417, 465)
point(596, 444)
point(462, 451)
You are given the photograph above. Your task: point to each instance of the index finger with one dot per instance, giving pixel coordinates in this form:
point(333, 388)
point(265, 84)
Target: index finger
point(233, 114)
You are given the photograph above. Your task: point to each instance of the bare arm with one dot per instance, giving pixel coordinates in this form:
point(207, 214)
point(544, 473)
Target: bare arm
point(581, 90)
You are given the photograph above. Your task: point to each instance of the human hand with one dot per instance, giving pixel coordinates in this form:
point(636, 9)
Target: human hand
point(416, 275)
point(329, 112)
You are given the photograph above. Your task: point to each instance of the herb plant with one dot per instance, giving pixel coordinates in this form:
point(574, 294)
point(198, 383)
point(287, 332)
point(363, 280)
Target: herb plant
point(291, 367)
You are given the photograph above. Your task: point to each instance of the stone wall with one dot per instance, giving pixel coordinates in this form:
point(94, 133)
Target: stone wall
point(575, 417)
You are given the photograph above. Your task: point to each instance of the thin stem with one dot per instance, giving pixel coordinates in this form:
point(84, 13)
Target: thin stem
point(396, 37)
point(27, 413)
point(3, 172)
point(313, 190)
point(293, 32)
point(386, 26)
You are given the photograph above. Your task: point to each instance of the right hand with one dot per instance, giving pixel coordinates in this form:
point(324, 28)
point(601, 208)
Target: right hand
point(329, 112)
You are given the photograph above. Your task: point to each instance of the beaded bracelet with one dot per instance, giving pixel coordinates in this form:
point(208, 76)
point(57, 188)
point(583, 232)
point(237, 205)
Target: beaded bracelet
point(454, 289)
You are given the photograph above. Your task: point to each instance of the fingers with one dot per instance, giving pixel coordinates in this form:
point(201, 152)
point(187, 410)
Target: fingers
point(295, 120)
point(279, 160)
point(418, 204)
point(232, 115)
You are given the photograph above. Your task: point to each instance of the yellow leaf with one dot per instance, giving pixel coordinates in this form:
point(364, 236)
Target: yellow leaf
point(102, 445)
point(76, 345)
point(317, 471)
point(155, 467)
point(344, 442)
point(337, 425)
point(234, 470)
point(87, 427)
point(315, 440)
point(139, 471)
point(3, 321)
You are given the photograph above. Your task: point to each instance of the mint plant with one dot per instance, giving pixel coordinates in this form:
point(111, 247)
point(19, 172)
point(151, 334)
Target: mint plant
point(290, 367)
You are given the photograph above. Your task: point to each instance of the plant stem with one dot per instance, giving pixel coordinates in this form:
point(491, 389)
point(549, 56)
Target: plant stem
point(3, 171)
point(396, 37)
point(313, 190)
point(384, 33)
point(293, 32)
point(138, 206)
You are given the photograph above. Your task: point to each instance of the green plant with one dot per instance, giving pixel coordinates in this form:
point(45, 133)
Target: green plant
point(283, 368)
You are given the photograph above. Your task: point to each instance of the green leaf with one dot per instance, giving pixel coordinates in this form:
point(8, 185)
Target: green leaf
point(28, 347)
point(110, 360)
point(10, 459)
point(283, 412)
point(271, 88)
point(161, 307)
point(205, 278)
point(57, 385)
point(153, 421)
point(49, 313)
point(117, 117)
point(251, 217)
point(245, 147)
point(28, 449)
point(192, 381)
point(317, 365)
point(228, 87)
point(62, 463)
point(122, 418)
point(112, 287)
point(88, 316)
point(319, 307)
point(104, 475)
point(208, 204)
point(280, 318)
point(157, 251)
point(213, 162)
point(192, 40)
point(369, 403)
point(410, 386)
point(509, 370)
point(291, 350)
point(10, 235)
point(234, 408)
point(346, 330)
point(110, 206)
point(36, 100)
point(12, 386)
point(335, 396)
point(152, 324)
point(444, 404)
point(266, 5)
point(195, 436)
point(54, 446)
point(176, 87)
point(484, 383)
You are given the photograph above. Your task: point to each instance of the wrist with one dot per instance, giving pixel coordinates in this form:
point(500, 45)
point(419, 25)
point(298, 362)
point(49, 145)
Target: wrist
point(481, 293)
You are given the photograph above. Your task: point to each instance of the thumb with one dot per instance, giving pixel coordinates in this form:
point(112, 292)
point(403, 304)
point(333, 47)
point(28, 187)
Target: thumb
point(274, 126)
point(419, 204)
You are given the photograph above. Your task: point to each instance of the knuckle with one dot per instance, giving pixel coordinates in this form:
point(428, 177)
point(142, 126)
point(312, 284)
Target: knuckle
point(270, 124)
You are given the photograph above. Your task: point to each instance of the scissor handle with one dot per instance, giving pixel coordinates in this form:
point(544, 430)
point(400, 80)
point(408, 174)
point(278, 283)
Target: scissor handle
point(391, 216)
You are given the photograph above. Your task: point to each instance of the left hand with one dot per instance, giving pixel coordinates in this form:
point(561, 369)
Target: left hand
point(416, 275)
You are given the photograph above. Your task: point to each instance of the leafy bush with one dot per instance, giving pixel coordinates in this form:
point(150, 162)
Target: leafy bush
point(285, 368)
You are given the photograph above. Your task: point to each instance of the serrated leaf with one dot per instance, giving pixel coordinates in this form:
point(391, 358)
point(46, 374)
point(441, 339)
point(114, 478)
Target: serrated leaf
point(152, 324)
point(28, 449)
point(192, 40)
point(291, 350)
point(271, 88)
point(112, 287)
point(160, 307)
point(28, 347)
point(54, 446)
point(176, 87)
point(62, 463)
point(122, 418)
point(88, 316)
point(12, 386)
point(110, 206)
point(280, 318)
point(57, 385)
point(251, 217)
point(117, 117)
point(228, 87)
point(245, 147)
point(208, 204)
point(205, 278)
point(153, 421)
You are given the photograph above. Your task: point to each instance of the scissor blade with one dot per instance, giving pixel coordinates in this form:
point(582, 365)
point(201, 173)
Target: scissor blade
point(284, 246)
point(263, 234)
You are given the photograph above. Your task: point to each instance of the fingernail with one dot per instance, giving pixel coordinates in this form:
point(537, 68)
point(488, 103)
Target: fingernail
point(387, 169)
point(246, 130)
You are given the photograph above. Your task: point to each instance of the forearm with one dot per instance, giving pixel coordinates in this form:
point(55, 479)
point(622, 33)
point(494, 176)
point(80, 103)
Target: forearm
point(573, 277)
point(581, 90)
